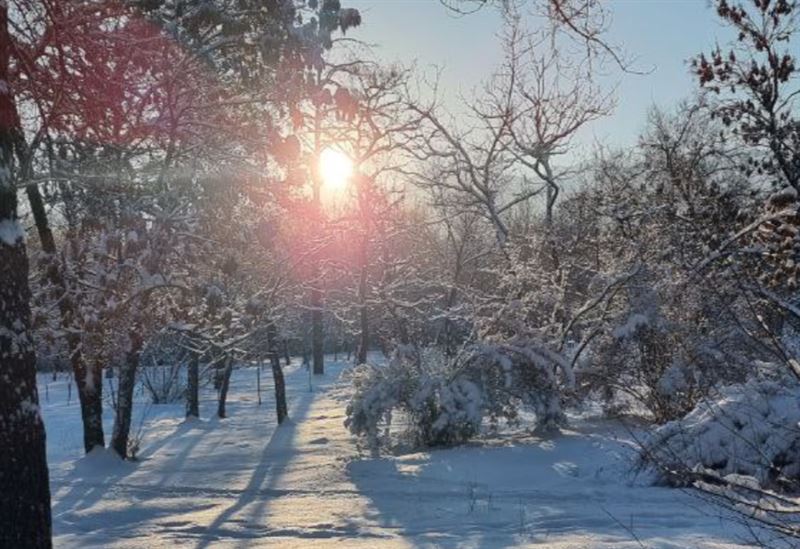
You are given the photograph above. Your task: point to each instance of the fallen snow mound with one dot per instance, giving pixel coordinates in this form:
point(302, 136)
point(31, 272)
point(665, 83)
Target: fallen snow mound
point(750, 429)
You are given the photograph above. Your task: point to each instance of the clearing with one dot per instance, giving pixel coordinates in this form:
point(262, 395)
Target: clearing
point(242, 482)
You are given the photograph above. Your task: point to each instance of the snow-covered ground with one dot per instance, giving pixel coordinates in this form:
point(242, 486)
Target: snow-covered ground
point(240, 482)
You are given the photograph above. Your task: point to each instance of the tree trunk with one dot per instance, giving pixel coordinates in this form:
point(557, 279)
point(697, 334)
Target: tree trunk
point(127, 382)
point(317, 336)
point(364, 188)
point(363, 344)
point(277, 372)
point(24, 489)
point(280, 388)
point(193, 387)
point(286, 352)
point(25, 519)
point(223, 388)
point(552, 195)
point(89, 381)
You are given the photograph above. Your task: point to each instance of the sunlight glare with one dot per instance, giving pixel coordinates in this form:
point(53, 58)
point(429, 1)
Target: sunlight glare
point(335, 168)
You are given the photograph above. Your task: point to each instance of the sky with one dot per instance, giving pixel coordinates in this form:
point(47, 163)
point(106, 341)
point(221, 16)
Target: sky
point(661, 35)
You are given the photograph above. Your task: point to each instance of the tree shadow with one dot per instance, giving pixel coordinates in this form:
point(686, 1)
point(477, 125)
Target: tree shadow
point(272, 464)
point(566, 489)
point(191, 429)
point(434, 502)
point(90, 479)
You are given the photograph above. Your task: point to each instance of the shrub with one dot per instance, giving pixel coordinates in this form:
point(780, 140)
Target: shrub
point(164, 384)
point(445, 399)
point(749, 429)
point(442, 407)
point(161, 372)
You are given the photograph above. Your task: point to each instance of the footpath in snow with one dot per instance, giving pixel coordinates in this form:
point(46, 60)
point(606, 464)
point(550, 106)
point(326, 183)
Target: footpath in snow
point(242, 482)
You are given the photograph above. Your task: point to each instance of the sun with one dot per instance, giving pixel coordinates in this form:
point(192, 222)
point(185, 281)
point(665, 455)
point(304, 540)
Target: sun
point(335, 167)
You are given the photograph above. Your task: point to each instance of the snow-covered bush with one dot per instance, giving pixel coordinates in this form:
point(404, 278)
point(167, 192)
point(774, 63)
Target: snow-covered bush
point(666, 349)
point(441, 405)
point(444, 400)
point(750, 429)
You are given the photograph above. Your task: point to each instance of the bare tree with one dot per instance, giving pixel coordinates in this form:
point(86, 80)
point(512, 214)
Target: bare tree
point(584, 22)
point(528, 115)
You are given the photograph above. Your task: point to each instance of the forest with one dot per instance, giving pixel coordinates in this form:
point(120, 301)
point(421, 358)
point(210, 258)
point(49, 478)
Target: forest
point(260, 286)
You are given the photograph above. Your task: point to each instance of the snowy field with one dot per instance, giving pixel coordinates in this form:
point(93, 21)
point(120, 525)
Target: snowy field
point(240, 482)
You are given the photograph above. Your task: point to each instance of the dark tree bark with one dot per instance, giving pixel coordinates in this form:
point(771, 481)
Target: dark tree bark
point(127, 382)
point(280, 388)
point(193, 387)
point(89, 380)
point(25, 519)
point(224, 385)
point(317, 335)
point(364, 187)
point(363, 344)
point(277, 372)
point(286, 352)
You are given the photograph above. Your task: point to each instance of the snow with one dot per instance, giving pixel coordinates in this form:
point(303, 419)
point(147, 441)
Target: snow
point(243, 482)
point(672, 381)
point(11, 232)
point(750, 429)
point(635, 322)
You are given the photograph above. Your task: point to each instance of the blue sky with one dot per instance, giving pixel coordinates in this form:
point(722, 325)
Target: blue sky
point(659, 34)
